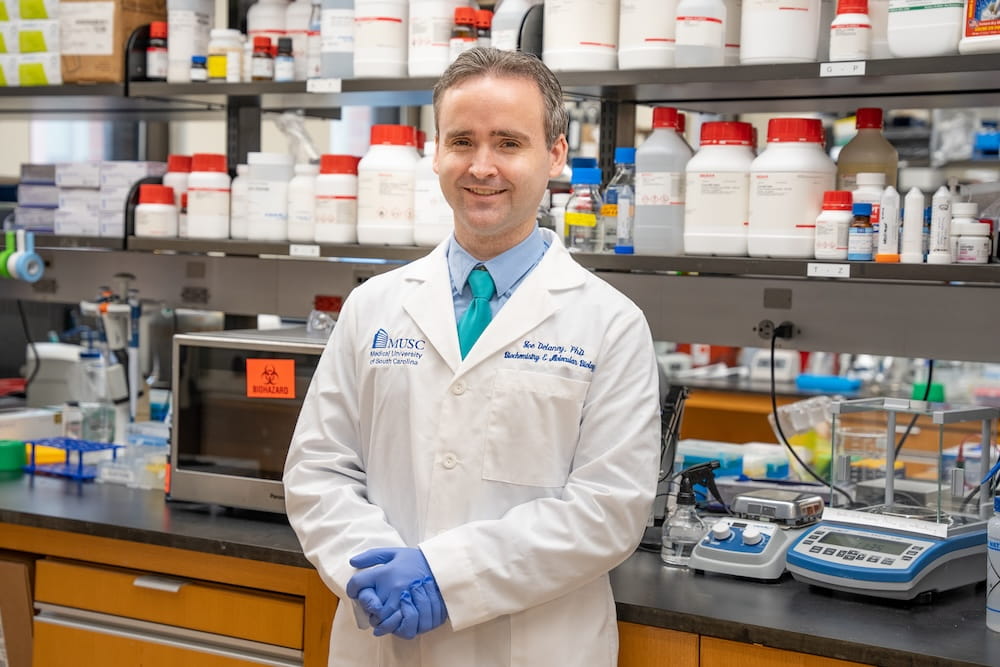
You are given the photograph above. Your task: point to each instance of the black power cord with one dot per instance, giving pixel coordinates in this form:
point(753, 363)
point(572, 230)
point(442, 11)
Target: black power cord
point(913, 420)
point(31, 344)
point(786, 330)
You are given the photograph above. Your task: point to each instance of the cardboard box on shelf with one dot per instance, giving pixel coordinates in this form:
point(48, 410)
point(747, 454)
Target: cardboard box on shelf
point(71, 222)
point(17, 571)
point(79, 174)
point(38, 69)
point(93, 36)
point(8, 70)
point(38, 36)
point(36, 9)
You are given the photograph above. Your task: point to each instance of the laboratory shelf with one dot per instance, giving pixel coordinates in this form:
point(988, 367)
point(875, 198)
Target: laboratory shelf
point(233, 248)
point(98, 101)
point(78, 242)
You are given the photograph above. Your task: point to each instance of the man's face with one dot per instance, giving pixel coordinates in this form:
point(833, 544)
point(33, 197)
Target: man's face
point(492, 157)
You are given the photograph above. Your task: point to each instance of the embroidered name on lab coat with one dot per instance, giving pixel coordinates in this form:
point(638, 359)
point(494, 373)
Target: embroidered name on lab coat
point(541, 352)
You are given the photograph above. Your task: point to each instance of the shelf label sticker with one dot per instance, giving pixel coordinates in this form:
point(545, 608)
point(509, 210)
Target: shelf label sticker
point(323, 85)
point(824, 270)
point(848, 68)
point(302, 250)
point(270, 378)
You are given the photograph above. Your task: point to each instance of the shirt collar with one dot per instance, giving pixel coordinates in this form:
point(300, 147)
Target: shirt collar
point(506, 269)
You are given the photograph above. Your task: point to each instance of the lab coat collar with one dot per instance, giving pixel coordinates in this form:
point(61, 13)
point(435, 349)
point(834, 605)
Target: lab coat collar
point(432, 308)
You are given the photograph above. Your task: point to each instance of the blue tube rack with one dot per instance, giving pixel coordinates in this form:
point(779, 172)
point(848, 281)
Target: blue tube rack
point(78, 471)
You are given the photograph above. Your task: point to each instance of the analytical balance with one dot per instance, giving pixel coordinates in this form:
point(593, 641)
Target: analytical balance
point(900, 549)
point(753, 543)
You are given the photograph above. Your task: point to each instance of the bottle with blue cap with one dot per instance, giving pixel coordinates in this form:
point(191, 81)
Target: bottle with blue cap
point(618, 210)
point(861, 235)
point(993, 568)
point(584, 225)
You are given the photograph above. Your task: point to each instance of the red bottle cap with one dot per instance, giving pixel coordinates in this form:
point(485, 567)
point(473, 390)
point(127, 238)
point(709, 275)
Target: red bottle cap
point(868, 118)
point(262, 43)
point(394, 135)
point(726, 133)
point(465, 16)
point(150, 193)
point(484, 18)
point(665, 117)
point(179, 163)
point(837, 200)
point(338, 164)
point(852, 6)
point(208, 162)
point(158, 30)
point(801, 130)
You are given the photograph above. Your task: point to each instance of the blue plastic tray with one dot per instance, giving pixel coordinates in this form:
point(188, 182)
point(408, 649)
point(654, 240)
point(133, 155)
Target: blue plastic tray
point(78, 470)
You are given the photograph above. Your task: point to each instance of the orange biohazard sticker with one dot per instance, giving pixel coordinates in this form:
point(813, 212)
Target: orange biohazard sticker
point(270, 378)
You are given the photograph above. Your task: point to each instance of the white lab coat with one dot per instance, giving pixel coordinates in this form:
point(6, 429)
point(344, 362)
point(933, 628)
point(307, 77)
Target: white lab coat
point(523, 473)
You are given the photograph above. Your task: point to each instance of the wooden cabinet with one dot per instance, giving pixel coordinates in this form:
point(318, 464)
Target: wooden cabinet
point(646, 646)
point(725, 653)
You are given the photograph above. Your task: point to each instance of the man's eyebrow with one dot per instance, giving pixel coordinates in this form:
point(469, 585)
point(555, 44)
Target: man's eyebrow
point(507, 134)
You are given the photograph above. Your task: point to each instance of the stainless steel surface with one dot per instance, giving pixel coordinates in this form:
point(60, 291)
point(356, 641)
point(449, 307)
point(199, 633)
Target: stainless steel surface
point(779, 506)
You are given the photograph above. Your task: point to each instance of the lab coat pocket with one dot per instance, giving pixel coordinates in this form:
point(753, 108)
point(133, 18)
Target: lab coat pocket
point(532, 428)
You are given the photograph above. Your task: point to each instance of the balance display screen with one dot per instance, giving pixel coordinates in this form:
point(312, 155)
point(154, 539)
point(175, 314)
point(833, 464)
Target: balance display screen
point(864, 542)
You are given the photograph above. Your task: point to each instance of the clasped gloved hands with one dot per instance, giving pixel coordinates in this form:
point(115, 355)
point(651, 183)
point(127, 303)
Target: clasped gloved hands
point(396, 588)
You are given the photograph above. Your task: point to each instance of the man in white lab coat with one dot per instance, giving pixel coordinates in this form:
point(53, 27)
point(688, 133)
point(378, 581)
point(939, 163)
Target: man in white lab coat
point(475, 495)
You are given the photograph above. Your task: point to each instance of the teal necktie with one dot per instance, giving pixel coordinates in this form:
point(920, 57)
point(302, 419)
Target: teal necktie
point(478, 315)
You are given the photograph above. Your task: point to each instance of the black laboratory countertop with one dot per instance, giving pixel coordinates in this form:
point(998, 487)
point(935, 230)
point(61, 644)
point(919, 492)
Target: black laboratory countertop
point(951, 630)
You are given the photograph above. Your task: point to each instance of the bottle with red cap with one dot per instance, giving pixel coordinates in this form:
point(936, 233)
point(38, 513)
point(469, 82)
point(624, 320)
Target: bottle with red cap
point(156, 52)
point(851, 31)
point(868, 151)
point(787, 182)
point(660, 163)
point(430, 23)
point(208, 197)
point(336, 206)
point(178, 170)
point(484, 18)
point(463, 33)
point(386, 177)
point(833, 225)
point(156, 214)
point(718, 191)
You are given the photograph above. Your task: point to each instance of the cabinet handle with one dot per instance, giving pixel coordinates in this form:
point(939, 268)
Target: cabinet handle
point(154, 583)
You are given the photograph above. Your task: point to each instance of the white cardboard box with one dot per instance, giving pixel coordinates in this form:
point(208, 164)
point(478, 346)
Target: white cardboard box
point(39, 69)
point(118, 174)
point(77, 223)
point(86, 199)
point(78, 174)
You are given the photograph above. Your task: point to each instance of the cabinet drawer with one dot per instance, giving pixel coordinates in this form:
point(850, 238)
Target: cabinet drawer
point(255, 615)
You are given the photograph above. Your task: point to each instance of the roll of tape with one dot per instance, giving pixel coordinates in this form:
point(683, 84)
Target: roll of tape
point(13, 455)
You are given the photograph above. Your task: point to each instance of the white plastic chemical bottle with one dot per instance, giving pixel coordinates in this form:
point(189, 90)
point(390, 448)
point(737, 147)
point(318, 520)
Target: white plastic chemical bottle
point(208, 197)
point(618, 210)
point(889, 227)
point(178, 171)
point(576, 38)
point(797, 21)
point(833, 225)
point(336, 34)
point(429, 35)
point(993, 568)
point(266, 18)
point(297, 16)
point(188, 25)
point(385, 186)
point(156, 213)
point(301, 204)
point(558, 213)
point(970, 242)
point(867, 151)
point(336, 206)
point(267, 186)
point(920, 29)
point(700, 33)
point(869, 191)
point(240, 203)
point(787, 182)
point(851, 32)
point(982, 28)
point(660, 163)
point(939, 250)
point(717, 192)
point(646, 30)
point(380, 38)
point(912, 245)
point(505, 29)
point(731, 47)
point(878, 12)
point(433, 220)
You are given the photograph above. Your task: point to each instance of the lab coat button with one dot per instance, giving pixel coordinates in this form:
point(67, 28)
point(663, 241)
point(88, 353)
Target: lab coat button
point(449, 461)
point(458, 388)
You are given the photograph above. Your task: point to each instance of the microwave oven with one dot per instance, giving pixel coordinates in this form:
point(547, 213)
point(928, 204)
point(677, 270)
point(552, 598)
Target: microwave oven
point(236, 399)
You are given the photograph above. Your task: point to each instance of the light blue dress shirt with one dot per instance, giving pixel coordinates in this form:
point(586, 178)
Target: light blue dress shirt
point(508, 270)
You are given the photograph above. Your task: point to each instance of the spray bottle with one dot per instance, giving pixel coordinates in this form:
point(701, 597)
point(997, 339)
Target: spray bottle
point(683, 529)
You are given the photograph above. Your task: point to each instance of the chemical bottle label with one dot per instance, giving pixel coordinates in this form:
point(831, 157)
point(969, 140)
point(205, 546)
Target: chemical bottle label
point(337, 31)
point(429, 28)
point(385, 197)
point(609, 210)
point(982, 19)
point(380, 32)
point(659, 188)
point(700, 31)
point(336, 210)
point(581, 219)
point(718, 198)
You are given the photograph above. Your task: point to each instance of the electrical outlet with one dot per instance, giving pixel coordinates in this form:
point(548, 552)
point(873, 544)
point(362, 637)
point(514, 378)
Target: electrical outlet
point(765, 329)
